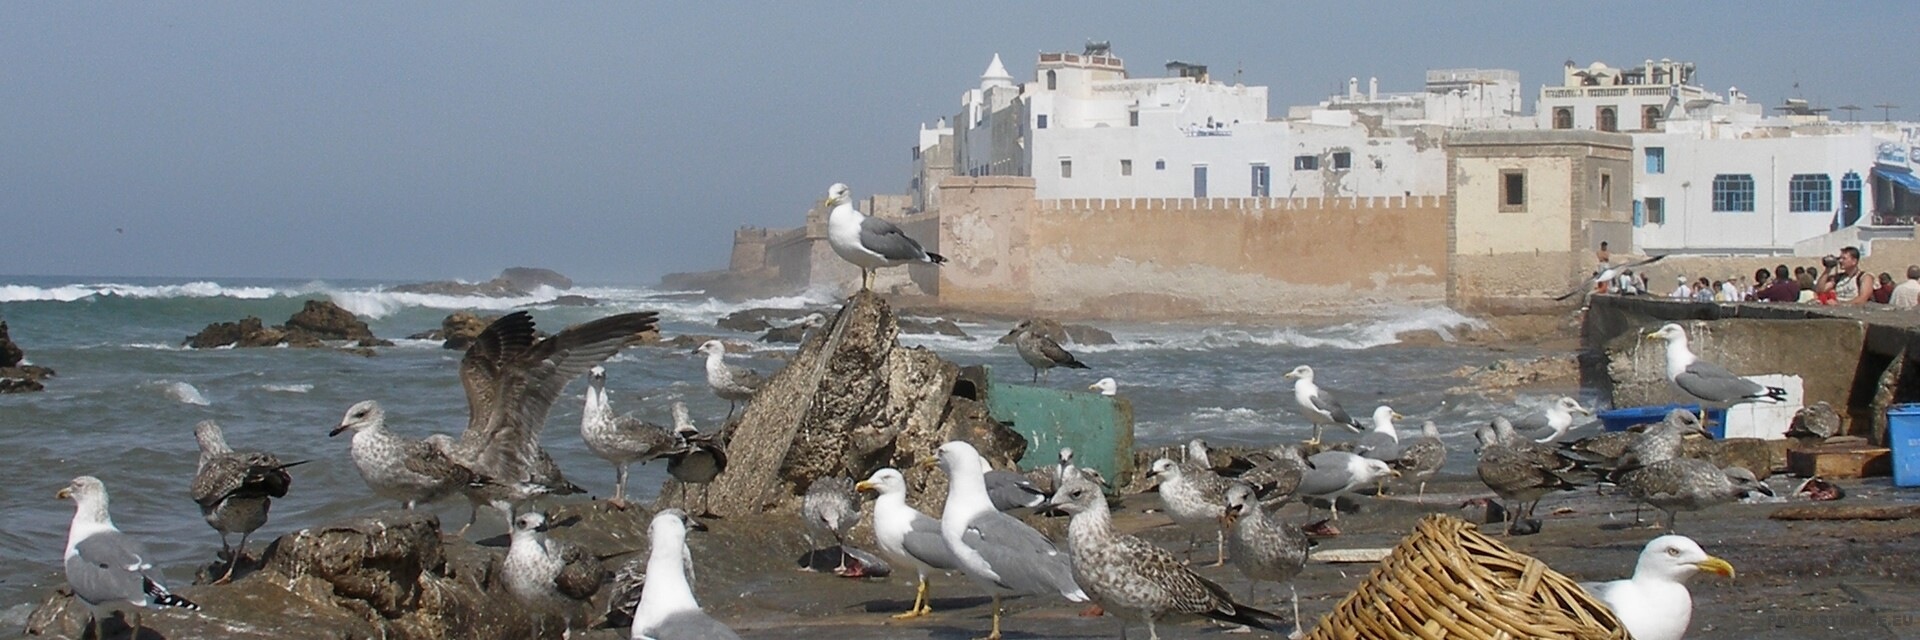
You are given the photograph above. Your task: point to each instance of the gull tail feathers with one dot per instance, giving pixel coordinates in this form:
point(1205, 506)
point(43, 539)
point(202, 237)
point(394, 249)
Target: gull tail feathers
point(936, 258)
point(163, 598)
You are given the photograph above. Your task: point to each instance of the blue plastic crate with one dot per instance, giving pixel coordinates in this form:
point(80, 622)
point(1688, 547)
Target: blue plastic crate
point(1621, 419)
point(1903, 435)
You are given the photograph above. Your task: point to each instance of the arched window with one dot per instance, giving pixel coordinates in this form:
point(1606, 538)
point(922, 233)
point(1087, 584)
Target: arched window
point(1563, 117)
point(1607, 119)
point(1053, 80)
point(1650, 118)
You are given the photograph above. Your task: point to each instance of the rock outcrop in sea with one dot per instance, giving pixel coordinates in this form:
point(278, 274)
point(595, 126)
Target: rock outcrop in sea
point(1065, 333)
point(312, 326)
point(15, 375)
point(514, 282)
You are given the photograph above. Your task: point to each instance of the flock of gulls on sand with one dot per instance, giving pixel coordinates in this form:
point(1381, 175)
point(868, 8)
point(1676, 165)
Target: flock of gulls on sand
point(512, 379)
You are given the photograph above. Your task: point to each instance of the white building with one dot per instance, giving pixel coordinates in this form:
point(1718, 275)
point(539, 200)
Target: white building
point(1464, 98)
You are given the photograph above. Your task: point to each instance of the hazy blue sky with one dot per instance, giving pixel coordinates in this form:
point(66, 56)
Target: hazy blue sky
point(620, 141)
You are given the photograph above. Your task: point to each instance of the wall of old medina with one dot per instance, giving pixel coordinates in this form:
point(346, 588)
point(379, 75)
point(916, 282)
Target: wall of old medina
point(983, 232)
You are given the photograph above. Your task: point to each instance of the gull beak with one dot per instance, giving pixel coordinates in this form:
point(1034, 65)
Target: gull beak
point(65, 493)
point(1583, 411)
point(1395, 472)
point(1397, 416)
point(1152, 473)
point(336, 431)
point(1715, 565)
point(1655, 336)
point(865, 486)
point(1093, 387)
point(927, 464)
point(1231, 514)
point(1290, 375)
point(694, 524)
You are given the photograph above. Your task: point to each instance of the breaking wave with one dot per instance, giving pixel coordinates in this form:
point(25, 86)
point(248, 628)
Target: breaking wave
point(182, 392)
point(72, 292)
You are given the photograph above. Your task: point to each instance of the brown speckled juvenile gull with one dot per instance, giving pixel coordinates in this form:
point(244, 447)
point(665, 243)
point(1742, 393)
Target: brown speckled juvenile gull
point(1266, 548)
point(1424, 456)
point(698, 459)
point(732, 383)
point(235, 489)
point(1194, 497)
point(620, 440)
point(1517, 469)
point(830, 511)
point(1656, 475)
point(1041, 352)
point(549, 575)
point(411, 471)
point(1134, 580)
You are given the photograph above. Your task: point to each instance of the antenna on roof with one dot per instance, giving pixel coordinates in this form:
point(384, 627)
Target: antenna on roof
point(1849, 109)
point(1886, 111)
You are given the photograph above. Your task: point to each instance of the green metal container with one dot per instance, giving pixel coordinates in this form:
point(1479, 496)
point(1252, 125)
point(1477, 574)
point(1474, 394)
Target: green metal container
point(1098, 428)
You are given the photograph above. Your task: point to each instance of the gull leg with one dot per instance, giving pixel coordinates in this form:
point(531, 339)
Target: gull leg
point(473, 515)
point(1220, 548)
point(1296, 604)
point(919, 600)
point(99, 628)
point(136, 626)
point(1152, 633)
point(225, 551)
point(233, 560)
point(1671, 515)
point(706, 492)
point(995, 635)
point(1423, 490)
point(619, 500)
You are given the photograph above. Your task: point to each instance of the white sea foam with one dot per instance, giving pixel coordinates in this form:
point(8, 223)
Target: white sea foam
point(382, 303)
point(287, 388)
point(72, 292)
point(182, 392)
point(157, 346)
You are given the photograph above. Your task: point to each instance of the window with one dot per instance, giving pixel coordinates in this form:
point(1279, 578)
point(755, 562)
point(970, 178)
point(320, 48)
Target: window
point(1133, 118)
point(1733, 192)
point(1126, 167)
point(1159, 165)
point(1810, 192)
point(1606, 191)
point(1042, 122)
point(1262, 181)
point(1342, 160)
point(1053, 80)
point(1650, 118)
point(1607, 118)
point(1656, 210)
point(1066, 168)
point(1563, 117)
point(1199, 181)
point(1306, 163)
point(1656, 160)
point(1513, 190)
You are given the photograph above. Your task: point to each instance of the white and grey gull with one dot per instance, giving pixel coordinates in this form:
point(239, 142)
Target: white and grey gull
point(1706, 381)
point(868, 242)
point(1333, 474)
point(907, 536)
point(1319, 406)
point(108, 570)
point(1654, 603)
point(1553, 423)
point(998, 552)
point(235, 490)
point(667, 610)
point(620, 440)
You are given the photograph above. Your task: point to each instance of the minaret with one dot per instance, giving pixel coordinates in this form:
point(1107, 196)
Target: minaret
point(996, 75)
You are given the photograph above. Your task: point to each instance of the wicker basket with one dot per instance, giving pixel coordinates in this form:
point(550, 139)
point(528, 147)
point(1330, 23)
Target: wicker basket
point(1449, 581)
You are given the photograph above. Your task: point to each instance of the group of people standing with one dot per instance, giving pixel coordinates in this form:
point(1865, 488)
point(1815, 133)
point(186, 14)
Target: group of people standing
point(1837, 280)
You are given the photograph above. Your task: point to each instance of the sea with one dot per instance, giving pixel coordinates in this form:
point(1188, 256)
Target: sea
point(128, 394)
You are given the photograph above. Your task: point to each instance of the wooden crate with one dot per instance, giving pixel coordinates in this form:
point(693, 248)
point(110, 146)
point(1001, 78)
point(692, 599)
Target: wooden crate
point(1842, 461)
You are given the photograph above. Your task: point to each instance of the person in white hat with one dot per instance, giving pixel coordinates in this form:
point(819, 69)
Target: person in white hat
point(1683, 292)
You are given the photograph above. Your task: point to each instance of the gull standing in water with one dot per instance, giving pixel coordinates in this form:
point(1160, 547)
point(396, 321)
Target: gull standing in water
point(548, 574)
point(734, 384)
point(1041, 352)
point(1000, 553)
point(235, 489)
point(698, 459)
point(1319, 405)
point(1135, 580)
point(106, 569)
point(620, 440)
point(1709, 382)
point(667, 610)
point(907, 536)
point(1552, 424)
point(868, 242)
point(1654, 604)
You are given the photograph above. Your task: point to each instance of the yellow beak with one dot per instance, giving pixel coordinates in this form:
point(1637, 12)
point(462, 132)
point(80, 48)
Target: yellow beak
point(1093, 387)
point(927, 463)
point(1655, 336)
point(1397, 416)
point(864, 486)
point(65, 493)
point(1715, 565)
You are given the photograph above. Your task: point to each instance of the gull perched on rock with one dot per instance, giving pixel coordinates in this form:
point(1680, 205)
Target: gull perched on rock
point(732, 383)
point(698, 459)
point(106, 569)
point(1194, 497)
point(1106, 387)
point(1265, 547)
point(667, 610)
point(620, 440)
point(830, 511)
point(1041, 352)
point(906, 535)
point(1424, 456)
point(1000, 553)
point(1552, 424)
point(1654, 604)
point(1135, 580)
point(1709, 382)
point(398, 468)
point(235, 489)
point(868, 242)
point(1317, 404)
point(1332, 474)
point(548, 574)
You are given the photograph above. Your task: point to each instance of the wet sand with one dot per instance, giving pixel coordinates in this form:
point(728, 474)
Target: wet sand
point(1820, 579)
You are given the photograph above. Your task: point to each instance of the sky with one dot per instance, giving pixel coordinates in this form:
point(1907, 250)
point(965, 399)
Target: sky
point(615, 142)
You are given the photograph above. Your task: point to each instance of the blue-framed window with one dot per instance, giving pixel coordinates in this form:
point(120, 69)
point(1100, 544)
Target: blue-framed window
point(1656, 160)
point(1262, 181)
point(1733, 192)
point(1850, 182)
point(1810, 192)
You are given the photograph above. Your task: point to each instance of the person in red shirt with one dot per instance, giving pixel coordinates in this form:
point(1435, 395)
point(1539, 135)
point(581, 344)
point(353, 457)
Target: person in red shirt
point(1783, 288)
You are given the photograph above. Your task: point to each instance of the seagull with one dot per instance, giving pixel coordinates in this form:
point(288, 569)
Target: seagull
point(1656, 474)
point(667, 610)
point(829, 510)
point(1106, 387)
point(548, 574)
point(1009, 490)
point(1276, 473)
point(1552, 424)
point(413, 472)
point(235, 490)
point(1194, 496)
point(1319, 406)
point(1000, 553)
point(733, 384)
point(1607, 275)
point(627, 584)
point(1709, 382)
point(1519, 470)
point(906, 535)
point(1041, 352)
point(868, 242)
point(106, 569)
point(1135, 580)
point(621, 440)
point(1654, 604)
point(698, 460)
point(1333, 474)
point(1265, 547)
point(544, 479)
point(1424, 456)
point(1381, 442)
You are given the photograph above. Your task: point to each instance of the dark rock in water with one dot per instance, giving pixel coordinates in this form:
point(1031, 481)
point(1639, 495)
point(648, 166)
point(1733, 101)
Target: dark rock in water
point(1065, 334)
point(327, 321)
point(850, 401)
point(10, 354)
point(373, 342)
point(20, 385)
point(789, 335)
point(762, 319)
point(460, 327)
point(220, 334)
point(691, 341)
point(1083, 334)
point(939, 326)
point(571, 300)
point(530, 278)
